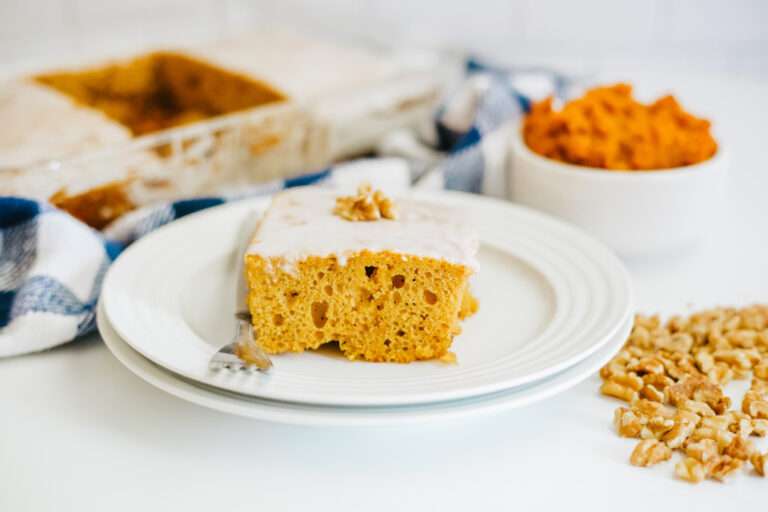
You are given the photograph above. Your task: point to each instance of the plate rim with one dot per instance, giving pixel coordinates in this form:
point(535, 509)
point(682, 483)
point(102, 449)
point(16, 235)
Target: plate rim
point(304, 414)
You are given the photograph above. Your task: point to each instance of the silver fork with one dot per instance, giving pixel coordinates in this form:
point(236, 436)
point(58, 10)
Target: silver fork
point(243, 352)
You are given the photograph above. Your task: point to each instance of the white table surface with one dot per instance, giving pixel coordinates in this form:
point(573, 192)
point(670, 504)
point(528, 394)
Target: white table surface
point(80, 432)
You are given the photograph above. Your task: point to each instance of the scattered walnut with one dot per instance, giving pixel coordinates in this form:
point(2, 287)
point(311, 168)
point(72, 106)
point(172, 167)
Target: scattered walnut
point(704, 450)
point(760, 371)
point(755, 405)
point(649, 452)
point(759, 386)
point(743, 427)
point(705, 361)
point(367, 205)
point(679, 393)
point(695, 407)
point(652, 393)
point(623, 387)
point(659, 426)
point(723, 466)
point(712, 395)
point(617, 366)
point(739, 423)
point(680, 432)
point(649, 409)
point(742, 338)
point(691, 470)
point(646, 365)
point(658, 381)
point(722, 437)
point(672, 376)
point(720, 374)
point(680, 342)
point(738, 358)
point(739, 448)
point(759, 461)
point(627, 422)
point(717, 422)
point(759, 428)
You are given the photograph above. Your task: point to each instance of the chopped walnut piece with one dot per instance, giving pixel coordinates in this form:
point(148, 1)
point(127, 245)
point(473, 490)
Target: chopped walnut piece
point(720, 374)
point(760, 428)
point(679, 393)
point(680, 432)
point(646, 365)
point(760, 371)
point(647, 322)
point(367, 205)
point(691, 470)
point(640, 336)
point(722, 437)
point(712, 395)
point(723, 466)
point(759, 462)
point(739, 423)
point(739, 373)
point(627, 423)
point(696, 407)
point(623, 387)
point(652, 393)
point(650, 408)
point(717, 422)
point(738, 358)
point(658, 381)
point(679, 366)
point(705, 361)
point(755, 405)
point(617, 365)
point(704, 450)
point(658, 426)
point(386, 206)
point(680, 342)
point(759, 386)
point(649, 452)
point(630, 380)
point(739, 448)
point(742, 338)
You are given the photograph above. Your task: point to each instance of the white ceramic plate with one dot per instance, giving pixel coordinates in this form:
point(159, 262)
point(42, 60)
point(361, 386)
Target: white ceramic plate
point(550, 296)
point(319, 415)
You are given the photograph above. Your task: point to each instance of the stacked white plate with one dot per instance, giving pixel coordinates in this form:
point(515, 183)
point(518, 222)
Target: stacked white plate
point(554, 306)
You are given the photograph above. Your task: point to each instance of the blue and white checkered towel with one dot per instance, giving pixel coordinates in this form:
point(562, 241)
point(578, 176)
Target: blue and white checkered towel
point(52, 266)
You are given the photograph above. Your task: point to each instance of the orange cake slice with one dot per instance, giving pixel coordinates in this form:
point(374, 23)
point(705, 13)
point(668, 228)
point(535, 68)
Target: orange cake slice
point(386, 282)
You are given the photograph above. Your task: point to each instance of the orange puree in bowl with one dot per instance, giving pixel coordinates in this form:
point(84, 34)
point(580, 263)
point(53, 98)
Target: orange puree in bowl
point(608, 128)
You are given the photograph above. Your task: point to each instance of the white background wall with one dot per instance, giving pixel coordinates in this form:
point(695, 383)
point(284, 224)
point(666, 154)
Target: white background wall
point(584, 35)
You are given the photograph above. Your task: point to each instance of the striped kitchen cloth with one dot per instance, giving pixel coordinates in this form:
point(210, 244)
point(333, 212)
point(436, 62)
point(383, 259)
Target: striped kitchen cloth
point(52, 266)
point(476, 122)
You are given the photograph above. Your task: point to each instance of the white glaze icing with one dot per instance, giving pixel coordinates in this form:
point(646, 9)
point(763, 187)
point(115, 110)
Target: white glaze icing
point(40, 123)
point(300, 223)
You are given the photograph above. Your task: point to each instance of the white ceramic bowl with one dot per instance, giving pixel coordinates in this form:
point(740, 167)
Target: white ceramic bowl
point(636, 213)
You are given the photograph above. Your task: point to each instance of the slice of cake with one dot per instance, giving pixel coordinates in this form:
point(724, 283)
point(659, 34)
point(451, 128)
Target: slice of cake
point(387, 282)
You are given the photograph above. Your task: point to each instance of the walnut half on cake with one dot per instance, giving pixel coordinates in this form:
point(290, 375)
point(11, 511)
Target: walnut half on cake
point(387, 282)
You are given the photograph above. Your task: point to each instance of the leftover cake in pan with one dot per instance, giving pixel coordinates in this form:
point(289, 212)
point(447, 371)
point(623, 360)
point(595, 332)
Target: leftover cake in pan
point(101, 140)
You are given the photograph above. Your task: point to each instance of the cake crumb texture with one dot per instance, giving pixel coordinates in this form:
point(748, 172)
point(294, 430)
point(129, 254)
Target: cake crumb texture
point(379, 306)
